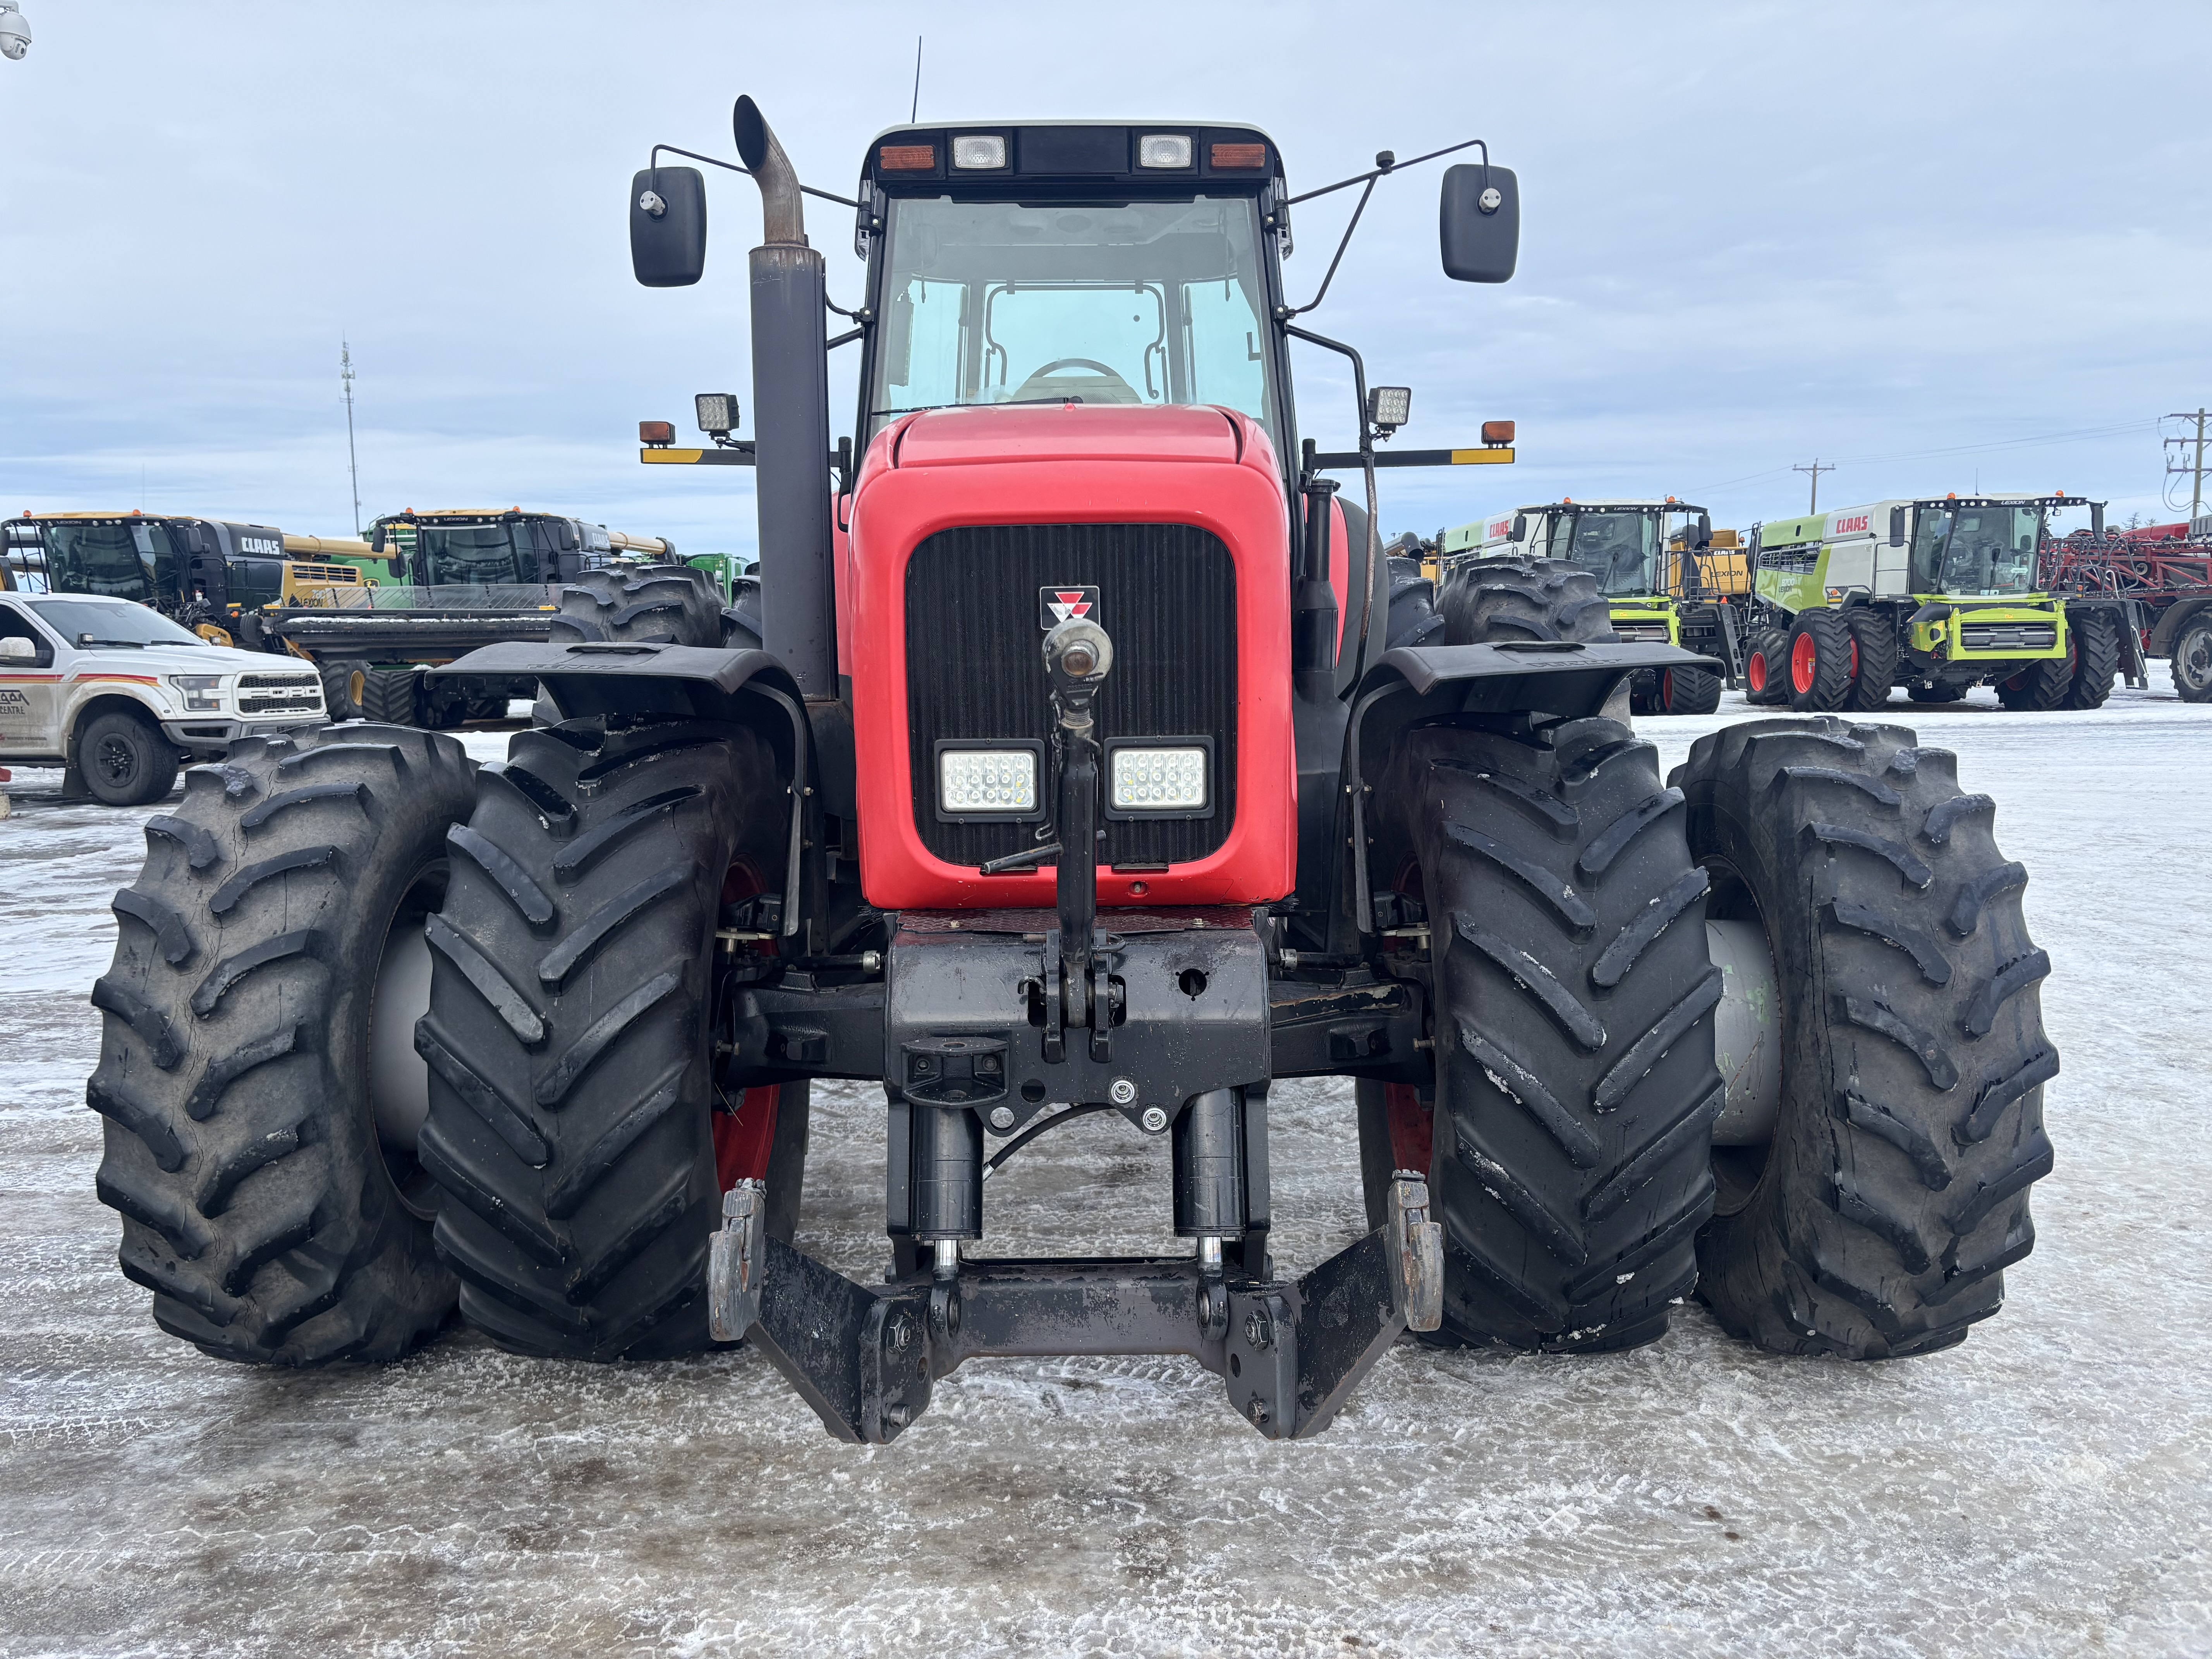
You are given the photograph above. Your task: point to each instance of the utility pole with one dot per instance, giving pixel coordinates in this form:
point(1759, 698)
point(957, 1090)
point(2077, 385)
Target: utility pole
point(353, 464)
point(1816, 470)
point(2195, 468)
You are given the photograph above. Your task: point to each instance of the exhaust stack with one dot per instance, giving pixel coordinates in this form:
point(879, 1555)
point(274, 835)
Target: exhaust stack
point(790, 406)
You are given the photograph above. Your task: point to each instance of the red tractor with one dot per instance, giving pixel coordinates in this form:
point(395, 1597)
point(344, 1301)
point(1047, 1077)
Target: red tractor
point(1078, 754)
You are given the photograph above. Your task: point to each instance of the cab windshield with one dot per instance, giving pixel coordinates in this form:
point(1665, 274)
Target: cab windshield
point(124, 559)
point(1976, 552)
point(1139, 302)
point(475, 553)
point(1620, 549)
point(82, 623)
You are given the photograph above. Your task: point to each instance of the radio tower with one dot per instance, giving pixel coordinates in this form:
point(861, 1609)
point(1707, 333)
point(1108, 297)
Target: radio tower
point(353, 464)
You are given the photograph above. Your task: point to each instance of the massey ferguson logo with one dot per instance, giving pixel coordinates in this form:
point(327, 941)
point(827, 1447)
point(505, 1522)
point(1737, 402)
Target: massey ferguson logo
point(1057, 605)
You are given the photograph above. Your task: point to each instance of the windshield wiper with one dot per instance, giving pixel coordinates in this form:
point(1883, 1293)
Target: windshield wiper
point(85, 643)
point(1010, 403)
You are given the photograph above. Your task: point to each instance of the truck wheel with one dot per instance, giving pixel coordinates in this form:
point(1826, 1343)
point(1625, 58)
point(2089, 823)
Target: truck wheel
point(345, 683)
point(387, 696)
point(1574, 1049)
point(1487, 600)
point(1689, 691)
point(672, 603)
point(2096, 636)
point(1940, 692)
point(1767, 667)
point(261, 1119)
point(124, 758)
point(569, 1036)
point(1873, 1213)
point(2191, 661)
point(1873, 657)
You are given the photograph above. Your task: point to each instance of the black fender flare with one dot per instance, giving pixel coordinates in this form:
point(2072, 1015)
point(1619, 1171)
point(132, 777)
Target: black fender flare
point(741, 687)
point(1570, 680)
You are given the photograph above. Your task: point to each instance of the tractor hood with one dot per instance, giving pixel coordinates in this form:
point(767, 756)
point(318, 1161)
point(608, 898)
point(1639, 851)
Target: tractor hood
point(1073, 432)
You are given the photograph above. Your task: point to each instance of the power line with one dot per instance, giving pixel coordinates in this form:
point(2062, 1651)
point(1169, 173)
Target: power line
point(1951, 449)
point(2196, 469)
point(1816, 470)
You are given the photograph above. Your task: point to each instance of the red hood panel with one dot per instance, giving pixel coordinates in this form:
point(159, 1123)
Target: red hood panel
point(1066, 432)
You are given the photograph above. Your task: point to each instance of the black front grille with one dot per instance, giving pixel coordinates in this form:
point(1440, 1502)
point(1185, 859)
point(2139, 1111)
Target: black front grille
point(2009, 636)
point(1167, 594)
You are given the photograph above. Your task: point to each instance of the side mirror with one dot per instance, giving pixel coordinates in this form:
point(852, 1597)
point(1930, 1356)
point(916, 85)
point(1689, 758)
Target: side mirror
point(2096, 521)
point(16, 649)
point(668, 227)
point(1478, 223)
point(1520, 526)
point(397, 567)
point(1897, 527)
point(1705, 531)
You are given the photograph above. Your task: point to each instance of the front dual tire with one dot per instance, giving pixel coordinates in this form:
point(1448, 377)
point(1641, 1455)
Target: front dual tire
point(1852, 1178)
point(378, 1044)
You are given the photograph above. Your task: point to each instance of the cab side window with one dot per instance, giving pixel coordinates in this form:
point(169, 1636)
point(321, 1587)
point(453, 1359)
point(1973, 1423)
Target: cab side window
point(15, 625)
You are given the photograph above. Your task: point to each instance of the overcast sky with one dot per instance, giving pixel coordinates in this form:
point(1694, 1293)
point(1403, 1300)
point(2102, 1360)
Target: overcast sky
point(1945, 247)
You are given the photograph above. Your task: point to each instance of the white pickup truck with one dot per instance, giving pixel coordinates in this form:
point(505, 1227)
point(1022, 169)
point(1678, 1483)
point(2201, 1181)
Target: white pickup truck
point(121, 696)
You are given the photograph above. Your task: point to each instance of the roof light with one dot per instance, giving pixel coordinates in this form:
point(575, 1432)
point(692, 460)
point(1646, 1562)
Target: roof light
point(1238, 156)
point(906, 158)
point(1164, 149)
point(979, 149)
point(1497, 432)
point(657, 433)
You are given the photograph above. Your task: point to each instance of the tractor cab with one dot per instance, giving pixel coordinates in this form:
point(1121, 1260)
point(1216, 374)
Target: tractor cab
point(1056, 264)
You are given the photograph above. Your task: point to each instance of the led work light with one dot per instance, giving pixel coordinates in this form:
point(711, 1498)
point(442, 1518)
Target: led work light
point(1164, 149)
point(979, 149)
point(1159, 780)
point(1002, 780)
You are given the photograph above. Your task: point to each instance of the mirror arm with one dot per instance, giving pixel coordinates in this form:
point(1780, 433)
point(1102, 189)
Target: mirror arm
point(1366, 456)
point(653, 161)
point(1395, 167)
point(1286, 312)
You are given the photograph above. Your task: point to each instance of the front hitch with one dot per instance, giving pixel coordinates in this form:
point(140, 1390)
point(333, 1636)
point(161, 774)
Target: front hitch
point(1078, 656)
point(1289, 1353)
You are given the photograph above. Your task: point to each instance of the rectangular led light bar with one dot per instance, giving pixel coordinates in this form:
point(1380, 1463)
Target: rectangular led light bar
point(1168, 779)
point(987, 782)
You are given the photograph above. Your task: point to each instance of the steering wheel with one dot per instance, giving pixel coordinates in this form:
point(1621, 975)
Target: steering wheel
point(1107, 370)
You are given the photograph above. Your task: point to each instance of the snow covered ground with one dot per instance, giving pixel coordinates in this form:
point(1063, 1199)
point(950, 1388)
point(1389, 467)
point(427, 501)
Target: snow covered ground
point(2046, 1488)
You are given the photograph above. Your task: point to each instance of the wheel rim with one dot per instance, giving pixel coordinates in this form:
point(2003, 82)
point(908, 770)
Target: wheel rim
point(1737, 941)
point(356, 687)
point(1804, 657)
point(1855, 657)
point(399, 1080)
point(2192, 663)
point(1667, 690)
point(116, 760)
point(1755, 671)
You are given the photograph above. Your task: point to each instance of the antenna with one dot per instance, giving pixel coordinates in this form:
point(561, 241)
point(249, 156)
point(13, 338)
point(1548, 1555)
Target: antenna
point(915, 114)
point(353, 464)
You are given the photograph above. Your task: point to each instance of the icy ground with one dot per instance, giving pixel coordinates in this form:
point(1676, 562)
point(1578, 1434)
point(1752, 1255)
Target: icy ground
point(2044, 1489)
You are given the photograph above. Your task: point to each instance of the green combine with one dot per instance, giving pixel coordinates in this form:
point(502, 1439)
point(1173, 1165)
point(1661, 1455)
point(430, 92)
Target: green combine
point(1935, 595)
